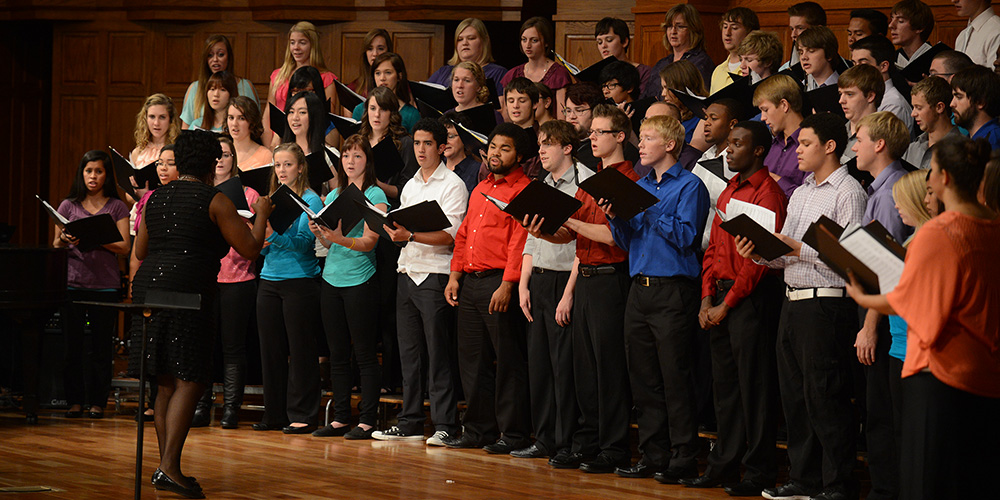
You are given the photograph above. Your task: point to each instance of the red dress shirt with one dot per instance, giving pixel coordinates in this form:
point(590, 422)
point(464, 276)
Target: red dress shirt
point(721, 261)
point(488, 237)
point(590, 252)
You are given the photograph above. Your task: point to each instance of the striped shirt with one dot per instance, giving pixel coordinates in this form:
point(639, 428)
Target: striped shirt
point(838, 197)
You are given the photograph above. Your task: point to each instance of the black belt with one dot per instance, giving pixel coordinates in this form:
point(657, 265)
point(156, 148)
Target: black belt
point(588, 271)
point(658, 280)
point(485, 274)
point(542, 270)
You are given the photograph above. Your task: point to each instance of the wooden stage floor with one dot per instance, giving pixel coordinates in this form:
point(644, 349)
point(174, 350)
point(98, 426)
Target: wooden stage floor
point(87, 459)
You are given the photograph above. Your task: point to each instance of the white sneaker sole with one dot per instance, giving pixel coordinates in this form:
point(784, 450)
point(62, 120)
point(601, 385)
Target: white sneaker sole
point(389, 437)
point(792, 497)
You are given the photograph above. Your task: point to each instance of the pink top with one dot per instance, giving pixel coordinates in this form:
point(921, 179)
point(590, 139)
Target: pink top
point(555, 78)
point(236, 269)
point(281, 94)
point(138, 210)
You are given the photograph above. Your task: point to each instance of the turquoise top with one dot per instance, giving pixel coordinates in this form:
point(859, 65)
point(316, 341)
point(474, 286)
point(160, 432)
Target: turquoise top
point(345, 267)
point(292, 255)
point(187, 114)
point(409, 114)
point(897, 330)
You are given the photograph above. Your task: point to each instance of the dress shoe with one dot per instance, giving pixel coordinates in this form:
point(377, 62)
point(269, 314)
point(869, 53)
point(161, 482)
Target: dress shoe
point(503, 447)
point(163, 482)
point(331, 431)
point(305, 429)
point(566, 459)
point(834, 494)
point(466, 441)
point(264, 426)
point(702, 481)
point(533, 451)
point(639, 470)
point(788, 491)
point(744, 489)
point(673, 475)
point(95, 414)
point(357, 433)
point(74, 414)
point(603, 464)
point(142, 417)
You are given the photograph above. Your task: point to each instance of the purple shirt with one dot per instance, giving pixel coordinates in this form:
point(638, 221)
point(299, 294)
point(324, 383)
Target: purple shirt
point(698, 57)
point(783, 161)
point(492, 70)
point(881, 206)
point(97, 268)
point(555, 78)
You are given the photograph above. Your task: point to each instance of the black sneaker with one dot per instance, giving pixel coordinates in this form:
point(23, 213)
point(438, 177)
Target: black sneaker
point(396, 434)
point(358, 433)
point(787, 491)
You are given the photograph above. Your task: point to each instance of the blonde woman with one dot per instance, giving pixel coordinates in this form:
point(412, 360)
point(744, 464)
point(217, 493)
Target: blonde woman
point(156, 125)
point(303, 50)
point(218, 56)
point(472, 44)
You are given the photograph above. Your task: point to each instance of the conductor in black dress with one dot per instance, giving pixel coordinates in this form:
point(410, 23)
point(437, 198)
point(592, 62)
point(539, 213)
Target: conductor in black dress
point(187, 227)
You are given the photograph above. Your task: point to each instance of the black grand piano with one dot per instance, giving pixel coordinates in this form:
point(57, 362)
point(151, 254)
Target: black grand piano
point(32, 287)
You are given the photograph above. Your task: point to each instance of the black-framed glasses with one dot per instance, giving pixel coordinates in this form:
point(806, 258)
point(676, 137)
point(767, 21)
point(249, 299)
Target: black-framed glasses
point(598, 132)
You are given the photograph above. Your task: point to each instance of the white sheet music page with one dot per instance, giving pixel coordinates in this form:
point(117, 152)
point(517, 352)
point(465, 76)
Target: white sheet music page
point(759, 214)
point(876, 256)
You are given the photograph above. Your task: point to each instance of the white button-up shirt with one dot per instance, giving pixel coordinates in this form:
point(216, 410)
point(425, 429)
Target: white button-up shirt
point(418, 260)
point(980, 39)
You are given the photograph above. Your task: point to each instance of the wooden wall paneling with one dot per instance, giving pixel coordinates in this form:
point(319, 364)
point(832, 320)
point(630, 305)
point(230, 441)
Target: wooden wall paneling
point(575, 21)
point(420, 45)
point(349, 49)
point(83, 126)
point(264, 53)
point(416, 48)
point(174, 68)
point(76, 58)
point(127, 55)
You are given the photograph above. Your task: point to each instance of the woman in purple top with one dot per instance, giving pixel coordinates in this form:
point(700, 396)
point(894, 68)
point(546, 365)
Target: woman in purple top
point(472, 44)
point(536, 43)
point(92, 275)
point(684, 39)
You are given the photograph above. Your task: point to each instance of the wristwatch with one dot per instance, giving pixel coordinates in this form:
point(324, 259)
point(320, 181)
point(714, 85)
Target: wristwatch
point(412, 235)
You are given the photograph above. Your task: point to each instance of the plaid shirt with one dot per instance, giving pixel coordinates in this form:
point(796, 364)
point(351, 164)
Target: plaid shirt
point(838, 197)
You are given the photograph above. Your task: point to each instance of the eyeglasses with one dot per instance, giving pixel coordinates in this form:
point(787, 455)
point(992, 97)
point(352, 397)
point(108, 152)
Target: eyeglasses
point(610, 85)
point(161, 163)
point(598, 132)
point(575, 111)
point(226, 156)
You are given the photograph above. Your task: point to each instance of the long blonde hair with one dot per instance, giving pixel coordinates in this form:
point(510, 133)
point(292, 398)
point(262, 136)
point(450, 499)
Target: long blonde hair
point(301, 183)
point(908, 193)
point(142, 134)
point(486, 56)
point(315, 53)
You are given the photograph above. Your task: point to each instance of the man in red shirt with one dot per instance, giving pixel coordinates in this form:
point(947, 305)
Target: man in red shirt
point(599, 366)
point(739, 307)
point(488, 252)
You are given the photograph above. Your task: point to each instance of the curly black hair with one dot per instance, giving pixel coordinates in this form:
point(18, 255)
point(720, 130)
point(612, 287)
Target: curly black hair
point(196, 153)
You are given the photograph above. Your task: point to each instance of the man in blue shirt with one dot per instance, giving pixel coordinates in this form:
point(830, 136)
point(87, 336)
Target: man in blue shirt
point(976, 103)
point(661, 313)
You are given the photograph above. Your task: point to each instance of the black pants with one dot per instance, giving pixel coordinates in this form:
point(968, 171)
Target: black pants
point(496, 395)
point(424, 323)
point(386, 256)
point(554, 412)
point(744, 371)
point(950, 442)
point(87, 373)
point(236, 309)
point(882, 426)
point(660, 325)
point(287, 318)
point(815, 354)
point(350, 315)
point(599, 366)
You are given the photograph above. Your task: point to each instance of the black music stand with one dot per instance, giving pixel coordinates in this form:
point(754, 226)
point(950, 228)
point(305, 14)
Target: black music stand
point(156, 300)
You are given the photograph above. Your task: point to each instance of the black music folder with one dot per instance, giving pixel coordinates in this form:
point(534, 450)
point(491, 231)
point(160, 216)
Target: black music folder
point(638, 109)
point(920, 67)
point(233, 189)
point(627, 198)
point(277, 120)
point(870, 252)
point(473, 141)
point(539, 198)
point(592, 73)
point(286, 210)
point(766, 244)
point(348, 98)
point(388, 161)
point(482, 119)
point(258, 179)
point(288, 206)
point(427, 111)
point(92, 231)
point(741, 90)
point(423, 217)
point(321, 167)
point(824, 99)
point(124, 171)
point(435, 95)
point(345, 125)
